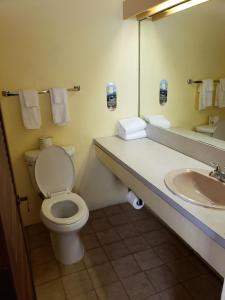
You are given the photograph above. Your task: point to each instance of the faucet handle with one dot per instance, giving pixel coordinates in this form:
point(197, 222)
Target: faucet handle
point(216, 166)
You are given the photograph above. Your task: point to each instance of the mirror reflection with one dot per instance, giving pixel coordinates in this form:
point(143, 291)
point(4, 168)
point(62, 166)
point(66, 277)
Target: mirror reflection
point(189, 45)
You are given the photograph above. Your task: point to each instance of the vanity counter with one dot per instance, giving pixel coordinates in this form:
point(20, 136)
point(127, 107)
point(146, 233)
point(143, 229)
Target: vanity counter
point(149, 162)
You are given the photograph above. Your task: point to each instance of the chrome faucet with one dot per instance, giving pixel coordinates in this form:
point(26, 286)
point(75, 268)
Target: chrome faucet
point(217, 172)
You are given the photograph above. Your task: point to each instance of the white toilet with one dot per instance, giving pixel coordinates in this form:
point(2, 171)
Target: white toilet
point(64, 213)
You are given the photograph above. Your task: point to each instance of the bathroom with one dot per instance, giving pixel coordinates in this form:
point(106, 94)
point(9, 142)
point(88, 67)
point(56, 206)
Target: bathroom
point(89, 44)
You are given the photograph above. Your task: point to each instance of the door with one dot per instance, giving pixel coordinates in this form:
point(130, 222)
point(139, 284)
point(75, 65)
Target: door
point(12, 227)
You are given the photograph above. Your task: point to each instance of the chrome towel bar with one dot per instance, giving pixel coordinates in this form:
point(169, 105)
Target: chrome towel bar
point(190, 81)
point(16, 93)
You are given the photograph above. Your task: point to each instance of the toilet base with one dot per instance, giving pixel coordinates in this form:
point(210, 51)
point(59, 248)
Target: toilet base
point(68, 248)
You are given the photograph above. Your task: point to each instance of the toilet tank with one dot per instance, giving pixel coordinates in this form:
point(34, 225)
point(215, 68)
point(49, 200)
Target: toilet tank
point(30, 159)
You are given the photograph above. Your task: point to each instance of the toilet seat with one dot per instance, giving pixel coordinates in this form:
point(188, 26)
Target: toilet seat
point(48, 204)
point(54, 171)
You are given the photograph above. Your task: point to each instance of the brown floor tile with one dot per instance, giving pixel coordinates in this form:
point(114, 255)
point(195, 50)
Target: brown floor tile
point(125, 266)
point(116, 250)
point(41, 255)
point(154, 297)
point(45, 272)
point(126, 207)
point(88, 296)
point(162, 278)
point(100, 224)
point(52, 290)
point(113, 210)
point(147, 225)
point(102, 275)
point(182, 247)
point(119, 219)
point(39, 240)
point(147, 259)
point(36, 229)
point(155, 238)
point(206, 287)
point(69, 269)
point(136, 215)
point(96, 214)
point(95, 257)
point(90, 241)
point(108, 236)
point(77, 284)
point(185, 268)
point(138, 287)
point(136, 244)
point(167, 252)
point(87, 229)
point(176, 293)
point(114, 291)
point(126, 231)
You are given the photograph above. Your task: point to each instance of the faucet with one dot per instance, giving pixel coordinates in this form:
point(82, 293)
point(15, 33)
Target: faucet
point(217, 172)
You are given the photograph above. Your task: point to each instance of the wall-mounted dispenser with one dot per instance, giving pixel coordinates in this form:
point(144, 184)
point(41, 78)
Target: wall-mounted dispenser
point(111, 93)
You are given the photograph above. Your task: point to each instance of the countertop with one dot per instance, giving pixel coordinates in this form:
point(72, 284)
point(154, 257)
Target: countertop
point(150, 161)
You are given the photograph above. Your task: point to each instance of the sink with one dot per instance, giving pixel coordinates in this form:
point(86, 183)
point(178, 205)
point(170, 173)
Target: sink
point(197, 187)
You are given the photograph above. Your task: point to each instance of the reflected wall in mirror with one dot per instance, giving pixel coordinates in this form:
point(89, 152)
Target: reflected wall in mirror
point(189, 44)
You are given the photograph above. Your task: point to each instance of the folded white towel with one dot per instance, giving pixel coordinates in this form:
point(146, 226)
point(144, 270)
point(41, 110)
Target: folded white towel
point(206, 94)
point(59, 103)
point(132, 136)
point(220, 93)
point(30, 109)
point(131, 125)
point(157, 120)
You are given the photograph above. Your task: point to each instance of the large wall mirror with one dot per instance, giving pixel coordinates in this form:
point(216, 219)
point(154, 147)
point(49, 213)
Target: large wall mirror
point(186, 45)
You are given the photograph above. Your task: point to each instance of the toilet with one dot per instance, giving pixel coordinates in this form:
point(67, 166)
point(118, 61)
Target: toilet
point(220, 130)
point(63, 212)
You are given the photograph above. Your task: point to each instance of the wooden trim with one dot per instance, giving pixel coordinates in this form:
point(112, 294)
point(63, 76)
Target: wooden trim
point(12, 226)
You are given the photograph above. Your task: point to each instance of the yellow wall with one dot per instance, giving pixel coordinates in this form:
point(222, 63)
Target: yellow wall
point(49, 43)
point(189, 44)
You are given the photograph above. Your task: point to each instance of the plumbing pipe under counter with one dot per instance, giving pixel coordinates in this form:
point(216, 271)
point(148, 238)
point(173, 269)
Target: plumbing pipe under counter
point(142, 166)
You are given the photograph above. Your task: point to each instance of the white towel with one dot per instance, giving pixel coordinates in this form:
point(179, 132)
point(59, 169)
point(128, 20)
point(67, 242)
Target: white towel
point(30, 109)
point(157, 120)
point(132, 136)
point(59, 103)
point(206, 94)
point(220, 93)
point(131, 125)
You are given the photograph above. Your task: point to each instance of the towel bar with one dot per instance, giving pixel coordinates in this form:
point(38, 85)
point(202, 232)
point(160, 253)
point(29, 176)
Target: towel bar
point(16, 93)
point(190, 81)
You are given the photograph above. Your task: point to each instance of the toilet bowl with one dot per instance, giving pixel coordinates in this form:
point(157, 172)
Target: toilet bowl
point(64, 213)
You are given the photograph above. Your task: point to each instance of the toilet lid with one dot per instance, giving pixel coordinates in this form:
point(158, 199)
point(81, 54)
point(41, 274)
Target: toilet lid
point(54, 171)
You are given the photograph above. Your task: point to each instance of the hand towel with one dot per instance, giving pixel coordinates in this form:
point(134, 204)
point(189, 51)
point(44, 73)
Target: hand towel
point(30, 109)
point(131, 125)
point(157, 120)
point(220, 93)
point(206, 94)
point(132, 136)
point(59, 103)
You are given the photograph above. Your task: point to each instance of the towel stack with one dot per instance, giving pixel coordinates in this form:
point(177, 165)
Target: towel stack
point(206, 94)
point(220, 93)
point(157, 120)
point(131, 129)
point(30, 108)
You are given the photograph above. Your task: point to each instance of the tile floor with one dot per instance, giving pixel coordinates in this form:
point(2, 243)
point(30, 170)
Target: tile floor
point(130, 254)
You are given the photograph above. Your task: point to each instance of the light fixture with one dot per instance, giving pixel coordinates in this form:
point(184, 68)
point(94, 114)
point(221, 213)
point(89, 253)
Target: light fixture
point(167, 8)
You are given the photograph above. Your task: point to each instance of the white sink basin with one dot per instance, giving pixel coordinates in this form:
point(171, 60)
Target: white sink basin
point(197, 187)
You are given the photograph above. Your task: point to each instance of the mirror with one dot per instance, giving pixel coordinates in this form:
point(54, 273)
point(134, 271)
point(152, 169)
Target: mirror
point(188, 44)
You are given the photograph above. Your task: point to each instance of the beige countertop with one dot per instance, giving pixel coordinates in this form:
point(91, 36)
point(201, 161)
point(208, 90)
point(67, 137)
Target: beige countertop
point(150, 162)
